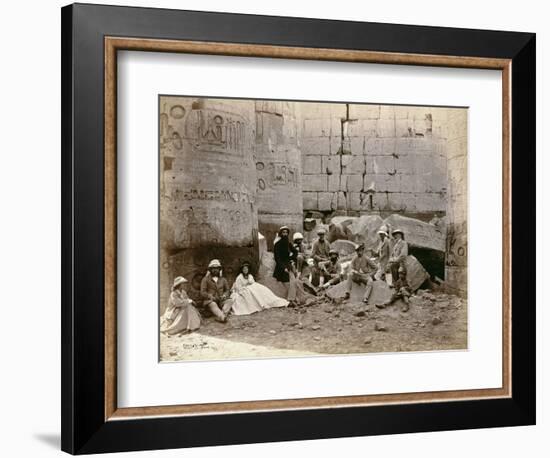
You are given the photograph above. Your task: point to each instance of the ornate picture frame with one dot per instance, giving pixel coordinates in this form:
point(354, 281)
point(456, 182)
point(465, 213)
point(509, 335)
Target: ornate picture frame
point(92, 35)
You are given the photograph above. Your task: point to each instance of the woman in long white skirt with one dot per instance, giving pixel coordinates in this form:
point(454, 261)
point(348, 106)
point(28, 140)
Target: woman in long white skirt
point(180, 316)
point(248, 297)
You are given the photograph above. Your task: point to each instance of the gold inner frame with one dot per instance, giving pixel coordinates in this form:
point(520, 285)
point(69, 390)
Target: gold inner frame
point(114, 44)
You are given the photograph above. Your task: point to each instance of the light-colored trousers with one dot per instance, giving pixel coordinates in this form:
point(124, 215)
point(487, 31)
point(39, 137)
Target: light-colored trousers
point(362, 279)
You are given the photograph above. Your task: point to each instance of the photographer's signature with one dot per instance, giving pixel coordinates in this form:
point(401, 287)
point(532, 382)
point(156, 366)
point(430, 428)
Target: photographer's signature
point(198, 346)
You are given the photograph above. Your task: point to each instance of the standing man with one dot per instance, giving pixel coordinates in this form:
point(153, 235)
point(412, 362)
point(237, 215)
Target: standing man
point(215, 291)
point(320, 253)
point(399, 253)
point(383, 255)
point(298, 240)
point(362, 271)
point(285, 255)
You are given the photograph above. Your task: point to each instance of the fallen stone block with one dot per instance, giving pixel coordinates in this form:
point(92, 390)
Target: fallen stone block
point(344, 220)
point(364, 230)
point(344, 247)
point(338, 232)
point(419, 234)
point(381, 292)
point(416, 274)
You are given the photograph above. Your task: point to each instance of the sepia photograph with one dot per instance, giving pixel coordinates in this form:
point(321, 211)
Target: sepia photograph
point(308, 228)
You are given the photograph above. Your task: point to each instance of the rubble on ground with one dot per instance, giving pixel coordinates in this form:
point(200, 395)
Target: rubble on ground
point(380, 294)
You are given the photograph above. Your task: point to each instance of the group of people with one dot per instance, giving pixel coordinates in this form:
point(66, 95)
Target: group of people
point(296, 267)
point(243, 298)
point(321, 268)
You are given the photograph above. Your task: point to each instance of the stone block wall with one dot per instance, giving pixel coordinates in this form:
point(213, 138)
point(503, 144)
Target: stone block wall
point(360, 158)
point(278, 163)
point(456, 269)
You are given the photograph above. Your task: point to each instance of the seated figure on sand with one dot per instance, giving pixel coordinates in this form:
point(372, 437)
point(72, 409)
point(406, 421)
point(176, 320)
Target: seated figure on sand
point(215, 291)
point(180, 315)
point(248, 297)
point(402, 291)
point(331, 270)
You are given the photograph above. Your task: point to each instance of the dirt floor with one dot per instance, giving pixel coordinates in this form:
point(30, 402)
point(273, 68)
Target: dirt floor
point(435, 321)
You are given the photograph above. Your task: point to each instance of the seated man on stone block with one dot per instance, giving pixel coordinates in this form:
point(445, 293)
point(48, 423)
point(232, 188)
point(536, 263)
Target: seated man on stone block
point(362, 272)
point(331, 270)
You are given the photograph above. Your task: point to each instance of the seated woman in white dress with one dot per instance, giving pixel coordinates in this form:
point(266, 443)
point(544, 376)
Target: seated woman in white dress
point(248, 297)
point(180, 315)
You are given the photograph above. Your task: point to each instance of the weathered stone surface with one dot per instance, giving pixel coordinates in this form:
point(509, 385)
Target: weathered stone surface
point(385, 128)
point(354, 164)
point(456, 279)
point(380, 294)
point(364, 111)
point(344, 247)
point(351, 183)
point(208, 189)
point(317, 127)
point(310, 201)
point(315, 146)
point(333, 182)
point(418, 233)
point(381, 165)
point(315, 182)
point(365, 228)
point(344, 220)
point(326, 201)
point(262, 245)
point(330, 164)
point(311, 165)
point(278, 163)
point(416, 274)
point(338, 232)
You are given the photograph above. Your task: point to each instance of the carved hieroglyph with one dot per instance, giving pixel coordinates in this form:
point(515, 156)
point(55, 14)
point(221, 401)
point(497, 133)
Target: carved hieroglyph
point(207, 187)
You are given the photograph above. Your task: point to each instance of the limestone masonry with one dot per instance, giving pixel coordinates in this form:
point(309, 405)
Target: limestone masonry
point(230, 169)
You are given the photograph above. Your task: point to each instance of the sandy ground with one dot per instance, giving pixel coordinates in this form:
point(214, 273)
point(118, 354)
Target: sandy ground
point(435, 321)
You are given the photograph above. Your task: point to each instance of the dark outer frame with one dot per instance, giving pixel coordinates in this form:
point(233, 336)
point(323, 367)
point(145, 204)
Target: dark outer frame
point(85, 428)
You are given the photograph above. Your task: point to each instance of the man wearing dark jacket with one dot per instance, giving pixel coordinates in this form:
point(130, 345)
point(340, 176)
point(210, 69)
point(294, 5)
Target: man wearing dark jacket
point(285, 255)
point(215, 291)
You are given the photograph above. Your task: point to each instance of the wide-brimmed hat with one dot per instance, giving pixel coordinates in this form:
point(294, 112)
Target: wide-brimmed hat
point(178, 281)
point(381, 231)
point(297, 236)
point(283, 228)
point(361, 246)
point(397, 231)
point(321, 230)
point(214, 263)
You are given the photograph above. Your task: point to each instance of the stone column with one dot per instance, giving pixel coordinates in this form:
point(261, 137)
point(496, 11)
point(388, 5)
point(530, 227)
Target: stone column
point(456, 269)
point(208, 192)
point(278, 164)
